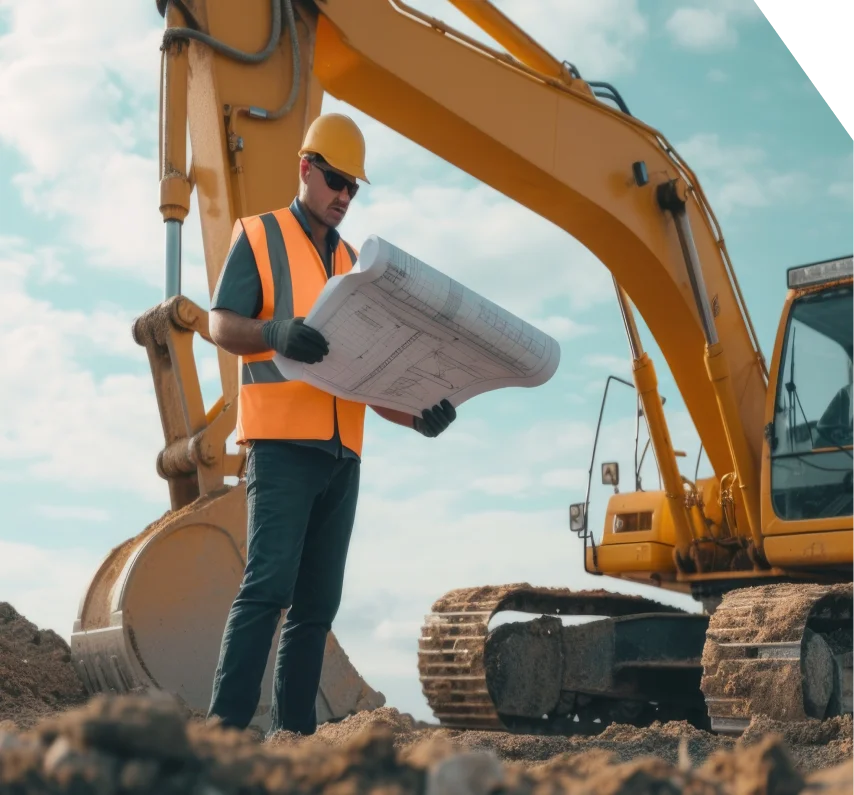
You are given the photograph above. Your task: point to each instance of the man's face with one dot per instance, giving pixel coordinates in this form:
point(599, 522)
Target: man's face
point(325, 202)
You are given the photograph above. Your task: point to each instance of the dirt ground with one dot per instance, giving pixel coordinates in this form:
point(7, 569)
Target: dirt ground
point(55, 740)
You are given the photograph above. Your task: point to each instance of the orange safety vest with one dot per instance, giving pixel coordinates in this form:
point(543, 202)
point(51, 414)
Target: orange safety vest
point(292, 275)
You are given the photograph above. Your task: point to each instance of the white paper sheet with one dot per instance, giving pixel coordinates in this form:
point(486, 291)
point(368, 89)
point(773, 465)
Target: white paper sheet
point(403, 335)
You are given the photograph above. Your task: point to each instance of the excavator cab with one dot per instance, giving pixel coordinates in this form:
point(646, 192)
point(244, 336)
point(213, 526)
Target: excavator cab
point(810, 433)
point(806, 475)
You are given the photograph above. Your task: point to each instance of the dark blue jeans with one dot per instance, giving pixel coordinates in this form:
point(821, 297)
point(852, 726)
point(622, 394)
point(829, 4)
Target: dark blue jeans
point(301, 503)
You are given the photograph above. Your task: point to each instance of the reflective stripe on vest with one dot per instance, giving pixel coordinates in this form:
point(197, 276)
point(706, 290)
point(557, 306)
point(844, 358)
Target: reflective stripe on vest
point(292, 275)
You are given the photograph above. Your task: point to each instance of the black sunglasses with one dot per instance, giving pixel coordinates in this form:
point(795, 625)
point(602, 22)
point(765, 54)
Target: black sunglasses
point(336, 182)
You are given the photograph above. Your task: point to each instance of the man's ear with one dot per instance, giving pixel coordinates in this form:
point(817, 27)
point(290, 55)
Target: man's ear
point(304, 168)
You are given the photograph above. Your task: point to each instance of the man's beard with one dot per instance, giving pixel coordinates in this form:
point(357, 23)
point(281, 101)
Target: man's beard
point(333, 222)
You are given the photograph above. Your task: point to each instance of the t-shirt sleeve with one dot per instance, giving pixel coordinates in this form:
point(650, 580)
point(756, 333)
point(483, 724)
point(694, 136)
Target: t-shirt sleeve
point(239, 286)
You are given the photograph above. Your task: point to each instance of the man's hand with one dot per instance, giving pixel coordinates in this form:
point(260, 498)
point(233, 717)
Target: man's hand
point(433, 421)
point(294, 340)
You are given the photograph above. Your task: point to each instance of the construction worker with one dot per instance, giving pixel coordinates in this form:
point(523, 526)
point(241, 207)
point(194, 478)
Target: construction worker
point(303, 445)
point(836, 424)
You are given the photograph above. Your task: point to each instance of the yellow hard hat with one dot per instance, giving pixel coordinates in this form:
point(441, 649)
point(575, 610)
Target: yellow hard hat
point(338, 140)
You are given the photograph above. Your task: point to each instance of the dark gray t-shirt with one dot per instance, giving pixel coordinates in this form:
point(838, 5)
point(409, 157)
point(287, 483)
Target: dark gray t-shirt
point(238, 289)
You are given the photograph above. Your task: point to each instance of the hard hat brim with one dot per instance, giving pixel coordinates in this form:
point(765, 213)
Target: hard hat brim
point(362, 177)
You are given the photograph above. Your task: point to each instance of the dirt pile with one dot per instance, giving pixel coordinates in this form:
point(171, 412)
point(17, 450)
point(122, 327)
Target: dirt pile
point(36, 676)
point(623, 743)
point(137, 744)
point(53, 741)
point(814, 744)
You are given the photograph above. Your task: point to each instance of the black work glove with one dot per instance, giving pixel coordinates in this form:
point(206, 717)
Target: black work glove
point(433, 421)
point(294, 340)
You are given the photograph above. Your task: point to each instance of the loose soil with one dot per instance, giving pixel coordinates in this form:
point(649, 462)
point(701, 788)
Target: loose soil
point(36, 677)
point(52, 739)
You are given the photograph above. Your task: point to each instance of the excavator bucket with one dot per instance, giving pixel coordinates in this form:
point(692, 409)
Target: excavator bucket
point(153, 615)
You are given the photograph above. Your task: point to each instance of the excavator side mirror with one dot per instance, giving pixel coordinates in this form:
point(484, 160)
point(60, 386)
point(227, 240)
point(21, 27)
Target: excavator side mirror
point(611, 474)
point(576, 517)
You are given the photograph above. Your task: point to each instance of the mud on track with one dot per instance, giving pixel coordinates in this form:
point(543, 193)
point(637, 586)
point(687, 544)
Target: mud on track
point(53, 740)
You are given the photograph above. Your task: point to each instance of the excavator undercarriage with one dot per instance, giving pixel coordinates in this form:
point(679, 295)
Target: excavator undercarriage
point(628, 659)
point(541, 676)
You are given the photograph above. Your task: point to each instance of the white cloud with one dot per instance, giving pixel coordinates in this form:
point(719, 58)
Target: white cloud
point(49, 600)
point(81, 513)
point(563, 328)
point(393, 630)
point(492, 245)
point(701, 29)
point(840, 190)
point(207, 364)
point(575, 479)
point(607, 361)
point(533, 464)
point(710, 28)
point(515, 484)
point(843, 186)
point(61, 423)
point(736, 176)
point(717, 76)
point(81, 93)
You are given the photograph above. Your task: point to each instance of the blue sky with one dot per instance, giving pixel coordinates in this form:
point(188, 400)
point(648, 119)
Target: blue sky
point(82, 256)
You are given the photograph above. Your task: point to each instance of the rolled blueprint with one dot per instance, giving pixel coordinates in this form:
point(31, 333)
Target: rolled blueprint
point(403, 335)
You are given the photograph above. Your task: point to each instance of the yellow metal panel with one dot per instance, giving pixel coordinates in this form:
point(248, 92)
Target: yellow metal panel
point(810, 549)
point(662, 531)
point(643, 557)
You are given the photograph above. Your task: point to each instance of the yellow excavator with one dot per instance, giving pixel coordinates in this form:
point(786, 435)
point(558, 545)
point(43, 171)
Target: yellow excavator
point(765, 543)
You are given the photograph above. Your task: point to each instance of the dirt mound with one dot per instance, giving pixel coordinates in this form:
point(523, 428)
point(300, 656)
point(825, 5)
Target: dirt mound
point(140, 744)
point(36, 676)
point(395, 723)
point(814, 744)
point(52, 740)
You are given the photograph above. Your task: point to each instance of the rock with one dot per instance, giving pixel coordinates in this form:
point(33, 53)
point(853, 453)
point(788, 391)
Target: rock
point(131, 726)
point(473, 773)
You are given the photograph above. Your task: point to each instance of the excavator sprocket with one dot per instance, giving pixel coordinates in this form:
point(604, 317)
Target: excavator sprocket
point(541, 677)
point(783, 651)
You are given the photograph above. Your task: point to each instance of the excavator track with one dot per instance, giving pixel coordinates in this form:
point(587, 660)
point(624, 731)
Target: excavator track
point(783, 651)
point(461, 683)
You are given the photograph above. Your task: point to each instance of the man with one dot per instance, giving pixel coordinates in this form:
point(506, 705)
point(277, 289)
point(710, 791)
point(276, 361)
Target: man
point(837, 422)
point(304, 445)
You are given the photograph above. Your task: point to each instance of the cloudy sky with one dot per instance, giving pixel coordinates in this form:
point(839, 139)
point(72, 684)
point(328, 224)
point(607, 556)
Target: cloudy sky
point(82, 255)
